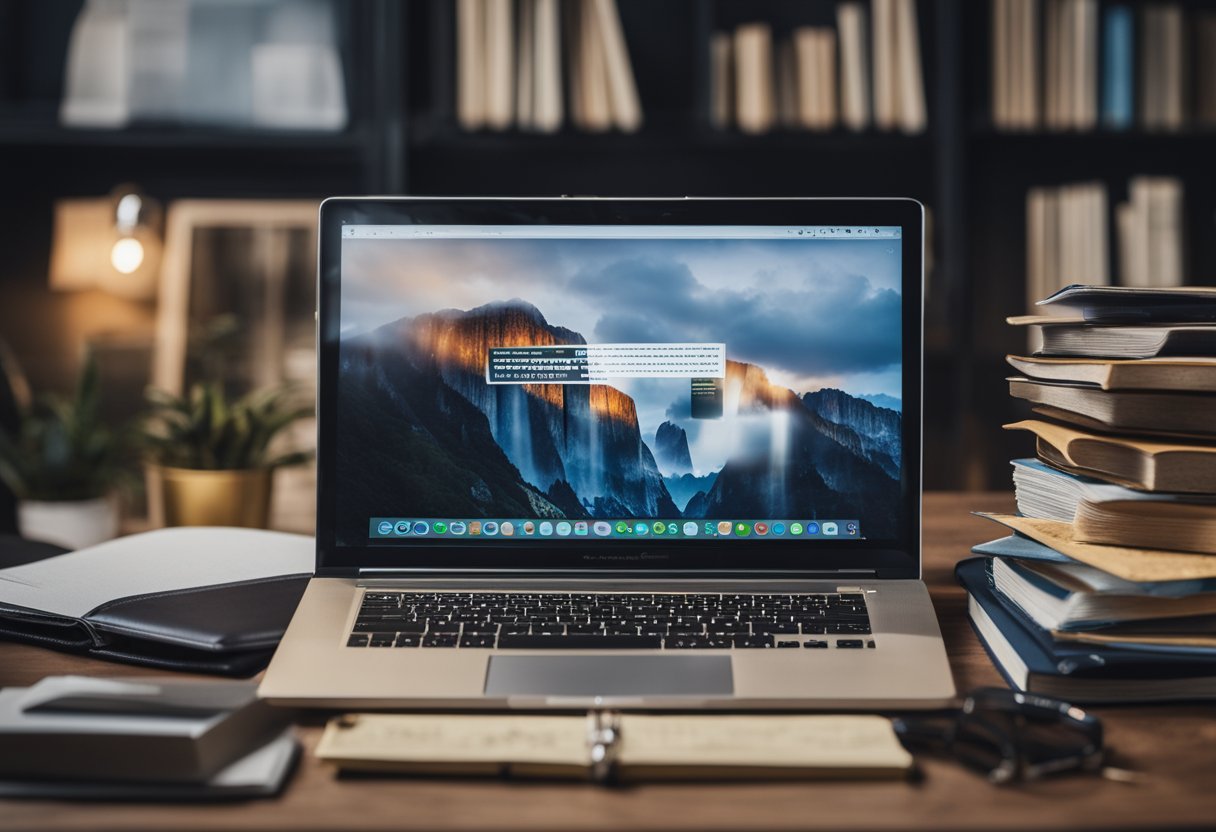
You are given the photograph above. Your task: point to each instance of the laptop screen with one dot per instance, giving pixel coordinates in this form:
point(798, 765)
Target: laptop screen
point(657, 383)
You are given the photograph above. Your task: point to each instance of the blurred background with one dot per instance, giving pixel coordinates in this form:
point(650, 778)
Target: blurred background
point(162, 162)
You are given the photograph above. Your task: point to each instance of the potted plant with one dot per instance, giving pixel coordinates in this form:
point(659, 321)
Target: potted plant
point(64, 463)
point(212, 458)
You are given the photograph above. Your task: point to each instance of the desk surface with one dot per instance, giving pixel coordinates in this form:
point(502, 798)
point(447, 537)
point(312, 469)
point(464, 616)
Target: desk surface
point(1173, 747)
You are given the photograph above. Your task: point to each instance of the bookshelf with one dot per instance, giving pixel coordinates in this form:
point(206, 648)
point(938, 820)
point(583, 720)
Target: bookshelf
point(403, 137)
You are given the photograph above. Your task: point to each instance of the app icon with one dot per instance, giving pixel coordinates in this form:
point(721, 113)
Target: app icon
point(441, 527)
point(659, 527)
point(602, 529)
point(403, 527)
point(851, 528)
point(762, 528)
point(421, 527)
point(812, 527)
point(475, 527)
point(743, 529)
point(673, 528)
point(385, 527)
point(710, 528)
point(622, 527)
point(529, 527)
point(830, 529)
point(690, 529)
point(724, 527)
point(641, 528)
point(458, 527)
point(507, 529)
point(778, 528)
point(580, 528)
point(795, 528)
point(489, 527)
point(563, 528)
point(546, 528)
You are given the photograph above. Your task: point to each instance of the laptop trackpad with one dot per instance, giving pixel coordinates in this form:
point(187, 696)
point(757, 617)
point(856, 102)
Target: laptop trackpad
point(609, 676)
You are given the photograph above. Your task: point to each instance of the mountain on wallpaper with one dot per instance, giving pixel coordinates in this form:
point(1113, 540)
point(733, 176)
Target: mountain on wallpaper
point(413, 392)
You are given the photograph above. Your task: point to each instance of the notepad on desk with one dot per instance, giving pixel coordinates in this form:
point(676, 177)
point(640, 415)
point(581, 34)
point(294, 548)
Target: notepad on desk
point(640, 747)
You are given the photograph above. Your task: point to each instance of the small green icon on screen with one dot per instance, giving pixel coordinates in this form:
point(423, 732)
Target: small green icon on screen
point(659, 527)
point(440, 527)
point(743, 529)
point(795, 528)
point(622, 527)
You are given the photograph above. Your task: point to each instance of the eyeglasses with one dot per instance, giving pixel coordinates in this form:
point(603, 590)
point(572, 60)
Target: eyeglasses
point(1011, 736)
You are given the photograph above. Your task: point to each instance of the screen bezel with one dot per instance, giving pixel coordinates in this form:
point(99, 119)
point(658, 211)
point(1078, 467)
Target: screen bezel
point(888, 559)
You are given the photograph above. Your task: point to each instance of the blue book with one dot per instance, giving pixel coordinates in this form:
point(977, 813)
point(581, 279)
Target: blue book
point(1029, 659)
point(1118, 59)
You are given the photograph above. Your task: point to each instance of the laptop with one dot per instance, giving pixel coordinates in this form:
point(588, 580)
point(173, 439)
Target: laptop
point(631, 453)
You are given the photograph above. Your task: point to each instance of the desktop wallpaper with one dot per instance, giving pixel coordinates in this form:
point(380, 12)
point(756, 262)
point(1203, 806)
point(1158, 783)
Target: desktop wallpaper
point(810, 410)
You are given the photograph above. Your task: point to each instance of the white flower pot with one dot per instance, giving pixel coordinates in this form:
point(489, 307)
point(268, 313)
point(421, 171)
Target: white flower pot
point(73, 524)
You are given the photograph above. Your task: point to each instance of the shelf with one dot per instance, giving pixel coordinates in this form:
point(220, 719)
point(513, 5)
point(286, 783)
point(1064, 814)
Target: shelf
point(41, 133)
point(1101, 136)
point(430, 134)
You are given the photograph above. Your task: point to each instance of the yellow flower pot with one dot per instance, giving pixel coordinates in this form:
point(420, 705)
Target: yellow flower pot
point(216, 498)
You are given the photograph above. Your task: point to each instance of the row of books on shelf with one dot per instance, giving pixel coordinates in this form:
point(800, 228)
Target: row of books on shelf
point(1075, 65)
point(1104, 589)
point(1067, 235)
point(510, 73)
point(864, 73)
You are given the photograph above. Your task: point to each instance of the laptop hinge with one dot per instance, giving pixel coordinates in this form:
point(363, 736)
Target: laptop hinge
point(587, 574)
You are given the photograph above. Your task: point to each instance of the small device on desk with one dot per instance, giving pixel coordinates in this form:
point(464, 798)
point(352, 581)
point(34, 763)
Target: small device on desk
point(580, 453)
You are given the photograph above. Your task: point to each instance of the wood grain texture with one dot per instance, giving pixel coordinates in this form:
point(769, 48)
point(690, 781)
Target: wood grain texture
point(1173, 747)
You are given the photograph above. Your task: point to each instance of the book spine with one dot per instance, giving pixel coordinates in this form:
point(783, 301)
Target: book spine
point(1118, 47)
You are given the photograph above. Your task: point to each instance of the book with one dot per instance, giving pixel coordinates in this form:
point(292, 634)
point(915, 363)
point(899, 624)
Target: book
point(815, 58)
point(525, 65)
point(1077, 597)
point(547, 106)
point(499, 64)
point(854, 65)
point(1165, 374)
point(722, 80)
point(1118, 68)
point(180, 598)
point(882, 50)
point(755, 105)
point(625, 747)
point(96, 737)
point(1174, 525)
point(470, 67)
point(1135, 305)
point(1076, 337)
point(1141, 464)
point(1130, 564)
point(1030, 660)
point(1188, 414)
point(911, 113)
point(1051, 494)
point(622, 87)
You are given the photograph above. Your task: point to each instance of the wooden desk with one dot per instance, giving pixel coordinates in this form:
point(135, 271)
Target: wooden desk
point(1174, 747)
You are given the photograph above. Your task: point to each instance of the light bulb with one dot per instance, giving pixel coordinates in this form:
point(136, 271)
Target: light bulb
point(127, 255)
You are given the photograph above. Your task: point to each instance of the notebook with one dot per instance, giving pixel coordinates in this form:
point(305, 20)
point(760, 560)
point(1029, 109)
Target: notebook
point(1167, 374)
point(210, 600)
point(1191, 414)
point(625, 747)
point(1136, 304)
point(1075, 337)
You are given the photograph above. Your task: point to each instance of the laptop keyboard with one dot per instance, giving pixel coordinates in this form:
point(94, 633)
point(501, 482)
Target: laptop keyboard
point(611, 621)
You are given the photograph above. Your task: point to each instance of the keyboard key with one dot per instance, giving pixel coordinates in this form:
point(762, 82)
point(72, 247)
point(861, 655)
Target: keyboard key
point(870, 643)
point(788, 644)
point(604, 642)
point(815, 645)
point(439, 640)
point(477, 641)
point(408, 640)
point(357, 640)
point(382, 639)
point(753, 641)
point(849, 643)
point(689, 643)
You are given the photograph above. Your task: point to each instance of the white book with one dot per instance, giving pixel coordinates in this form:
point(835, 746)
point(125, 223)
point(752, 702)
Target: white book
point(882, 51)
point(722, 80)
point(622, 87)
point(815, 53)
point(1151, 96)
point(854, 66)
point(1052, 82)
point(594, 74)
point(1173, 77)
point(910, 95)
point(470, 63)
point(525, 86)
point(754, 106)
point(548, 109)
point(500, 64)
point(1037, 267)
point(1028, 23)
point(1165, 232)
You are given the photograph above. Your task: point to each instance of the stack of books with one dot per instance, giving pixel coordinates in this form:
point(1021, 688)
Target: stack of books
point(1105, 588)
point(866, 72)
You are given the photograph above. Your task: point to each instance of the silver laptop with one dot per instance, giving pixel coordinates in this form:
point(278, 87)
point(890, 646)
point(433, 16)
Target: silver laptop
point(645, 453)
